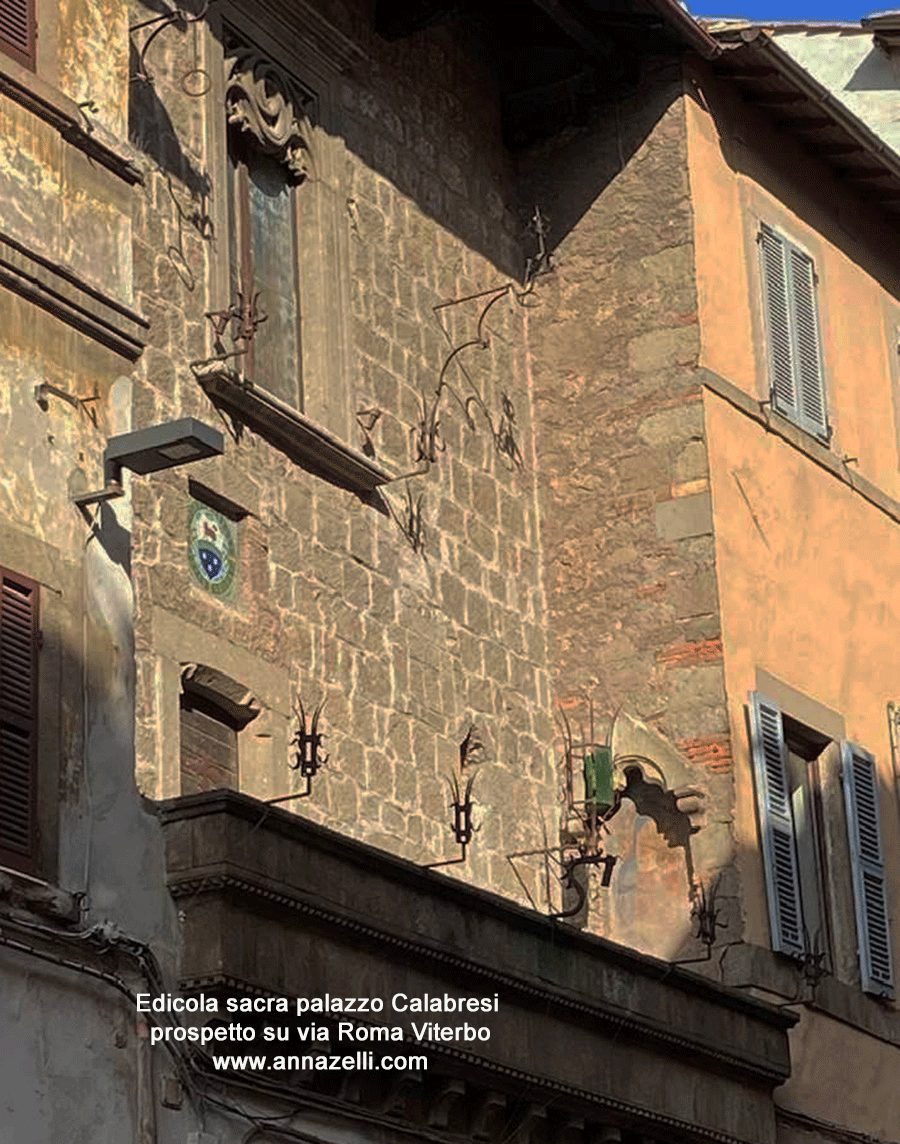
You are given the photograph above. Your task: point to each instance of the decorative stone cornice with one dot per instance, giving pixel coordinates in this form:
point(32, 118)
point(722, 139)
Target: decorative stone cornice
point(463, 1078)
point(62, 292)
point(303, 440)
point(222, 880)
point(264, 104)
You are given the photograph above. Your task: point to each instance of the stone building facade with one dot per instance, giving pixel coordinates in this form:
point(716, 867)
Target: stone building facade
point(449, 287)
point(715, 406)
point(412, 606)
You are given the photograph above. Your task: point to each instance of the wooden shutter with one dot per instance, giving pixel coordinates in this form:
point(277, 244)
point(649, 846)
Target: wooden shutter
point(778, 322)
point(18, 719)
point(792, 324)
point(18, 30)
point(860, 779)
point(808, 352)
point(776, 826)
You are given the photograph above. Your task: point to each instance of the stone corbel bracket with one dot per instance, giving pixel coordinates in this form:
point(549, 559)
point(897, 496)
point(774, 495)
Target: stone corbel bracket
point(262, 103)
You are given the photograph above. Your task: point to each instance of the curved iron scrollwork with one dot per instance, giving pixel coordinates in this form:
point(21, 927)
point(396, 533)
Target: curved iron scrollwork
point(260, 101)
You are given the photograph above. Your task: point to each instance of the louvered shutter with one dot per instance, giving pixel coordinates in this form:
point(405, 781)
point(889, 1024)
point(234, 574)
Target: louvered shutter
point(776, 825)
point(860, 779)
point(792, 325)
point(774, 269)
point(18, 719)
point(18, 31)
point(810, 382)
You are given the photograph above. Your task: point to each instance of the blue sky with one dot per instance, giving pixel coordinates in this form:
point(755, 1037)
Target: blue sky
point(788, 9)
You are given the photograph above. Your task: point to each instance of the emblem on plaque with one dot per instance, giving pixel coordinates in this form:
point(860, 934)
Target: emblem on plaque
point(212, 549)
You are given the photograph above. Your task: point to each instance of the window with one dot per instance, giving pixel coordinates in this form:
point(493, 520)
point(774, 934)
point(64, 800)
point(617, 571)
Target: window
point(797, 385)
point(18, 30)
point(214, 711)
point(860, 780)
point(209, 752)
point(267, 162)
point(18, 720)
point(788, 784)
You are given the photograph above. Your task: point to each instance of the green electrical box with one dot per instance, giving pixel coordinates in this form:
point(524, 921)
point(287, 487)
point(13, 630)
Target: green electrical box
point(598, 776)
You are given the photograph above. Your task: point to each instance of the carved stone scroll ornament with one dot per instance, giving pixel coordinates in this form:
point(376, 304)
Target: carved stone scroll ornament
point(262, 102)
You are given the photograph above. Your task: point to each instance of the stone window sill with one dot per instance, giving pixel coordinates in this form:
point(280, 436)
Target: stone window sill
point(70, 120)
point(306, 443)
point(22, 893)
point(776, 975)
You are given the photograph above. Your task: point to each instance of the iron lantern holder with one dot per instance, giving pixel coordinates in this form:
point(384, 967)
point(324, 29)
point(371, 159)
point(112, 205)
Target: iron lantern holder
point(307, 751)
point(461, 806)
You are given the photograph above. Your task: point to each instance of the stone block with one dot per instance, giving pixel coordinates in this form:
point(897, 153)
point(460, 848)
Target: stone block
point(684, 517)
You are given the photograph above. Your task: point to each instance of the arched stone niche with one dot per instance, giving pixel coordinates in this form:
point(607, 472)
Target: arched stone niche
point(668, 837)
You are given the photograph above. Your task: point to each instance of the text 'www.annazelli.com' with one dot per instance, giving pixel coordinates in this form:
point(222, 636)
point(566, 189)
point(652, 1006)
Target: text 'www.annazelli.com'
point(318, 1062)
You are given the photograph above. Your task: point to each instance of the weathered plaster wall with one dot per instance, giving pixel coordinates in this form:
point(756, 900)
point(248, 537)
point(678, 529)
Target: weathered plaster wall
point(58, 1030)
point(861, 74)
point(807, 614)
point(408, 647)
point(62, 205)
point(780, 521)
point(627, 524)
point(66, 322)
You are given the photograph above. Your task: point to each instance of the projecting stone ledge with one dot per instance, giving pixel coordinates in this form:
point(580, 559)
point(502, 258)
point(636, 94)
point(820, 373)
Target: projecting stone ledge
point(307, 443)
point(273, 904)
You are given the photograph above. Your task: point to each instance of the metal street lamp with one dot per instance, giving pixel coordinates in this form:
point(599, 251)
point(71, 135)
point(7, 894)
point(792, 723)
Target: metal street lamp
point(150, 450)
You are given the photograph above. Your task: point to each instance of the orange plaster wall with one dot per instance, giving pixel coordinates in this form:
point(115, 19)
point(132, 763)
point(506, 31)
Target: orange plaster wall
point(807, 573)
point(742, 172)
point(842, 1076)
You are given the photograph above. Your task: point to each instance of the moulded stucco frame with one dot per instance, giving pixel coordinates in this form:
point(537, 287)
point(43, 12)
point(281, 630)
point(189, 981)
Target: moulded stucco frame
point(71, 121)
point(324, 251)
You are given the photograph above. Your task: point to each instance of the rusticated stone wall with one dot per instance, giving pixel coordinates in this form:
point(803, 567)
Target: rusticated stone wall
point(332, 599)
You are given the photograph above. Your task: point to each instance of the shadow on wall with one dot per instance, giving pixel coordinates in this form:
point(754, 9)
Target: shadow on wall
point(649, 810)
point(151, 130)
point(752, 147)
point(567, 175)
point(683, 890)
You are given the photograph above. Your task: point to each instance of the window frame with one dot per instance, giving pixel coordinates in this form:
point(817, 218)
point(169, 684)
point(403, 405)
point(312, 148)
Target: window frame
point(243, 275)
point(789, 290)
point(215, 695)
point(773, 735)
point(316, 437)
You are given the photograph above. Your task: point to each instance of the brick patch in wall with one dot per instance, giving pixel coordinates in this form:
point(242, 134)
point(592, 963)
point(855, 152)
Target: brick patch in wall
point(657, 403)
point(712, 751)
point(691, 653)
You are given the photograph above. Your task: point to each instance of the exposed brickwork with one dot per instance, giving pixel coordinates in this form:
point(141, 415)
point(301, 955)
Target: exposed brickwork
point(712, 751)
point(686, 654)
point(620, 419)
point(631, 580)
